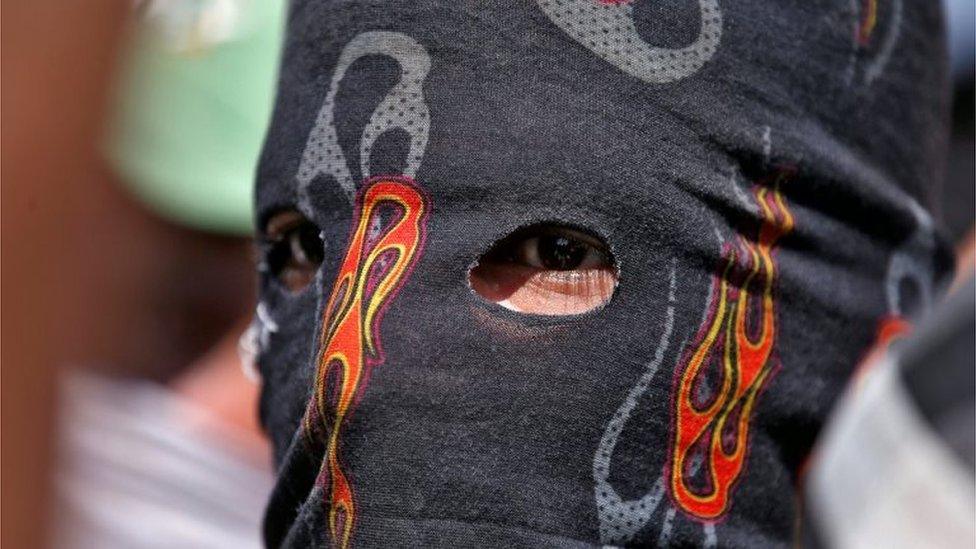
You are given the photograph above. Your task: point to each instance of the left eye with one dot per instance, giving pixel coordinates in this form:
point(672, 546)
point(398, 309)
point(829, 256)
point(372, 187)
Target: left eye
point(547, 270)
point(295, 250)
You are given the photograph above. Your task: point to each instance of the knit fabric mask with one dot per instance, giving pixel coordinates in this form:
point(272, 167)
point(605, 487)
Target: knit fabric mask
point(754, 177)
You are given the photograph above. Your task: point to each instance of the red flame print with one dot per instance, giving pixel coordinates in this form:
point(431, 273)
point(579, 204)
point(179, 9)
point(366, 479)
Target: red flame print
point(710, 438)
point(867, 22)
point(388, 236)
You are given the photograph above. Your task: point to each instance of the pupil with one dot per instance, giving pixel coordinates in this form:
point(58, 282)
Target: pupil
point(561, 253)
point(311, 244)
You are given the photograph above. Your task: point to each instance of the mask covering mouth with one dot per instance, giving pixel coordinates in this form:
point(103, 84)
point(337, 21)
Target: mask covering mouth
point(389, 226)
point(580, 272)
point(379, 259)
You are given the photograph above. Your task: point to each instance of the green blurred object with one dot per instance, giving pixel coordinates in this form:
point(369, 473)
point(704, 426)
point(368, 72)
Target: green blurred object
point(194, 101)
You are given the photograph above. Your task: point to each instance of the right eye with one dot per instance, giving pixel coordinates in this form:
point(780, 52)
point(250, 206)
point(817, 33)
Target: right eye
point(548, 270)
point(295, 250)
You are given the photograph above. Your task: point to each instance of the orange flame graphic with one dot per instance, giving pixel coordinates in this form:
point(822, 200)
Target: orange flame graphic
point(868, 21)
point(737, 338)
point(379, 259)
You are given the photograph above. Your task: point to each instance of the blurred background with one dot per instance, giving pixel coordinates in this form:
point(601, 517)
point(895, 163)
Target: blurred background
point(130, 136)
point(131, 132)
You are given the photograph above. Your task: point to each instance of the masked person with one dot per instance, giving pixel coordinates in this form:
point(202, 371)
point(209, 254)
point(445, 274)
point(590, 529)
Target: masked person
point(580, 272)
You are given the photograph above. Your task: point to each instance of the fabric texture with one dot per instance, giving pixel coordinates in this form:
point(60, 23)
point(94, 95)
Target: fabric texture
point(762, 173)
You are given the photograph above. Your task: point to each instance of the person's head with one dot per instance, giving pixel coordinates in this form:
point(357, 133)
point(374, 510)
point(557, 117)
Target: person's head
point(582, 269)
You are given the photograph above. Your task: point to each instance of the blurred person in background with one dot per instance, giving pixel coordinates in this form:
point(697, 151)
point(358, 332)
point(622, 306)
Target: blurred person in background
point(51, 120)
point(159, 443)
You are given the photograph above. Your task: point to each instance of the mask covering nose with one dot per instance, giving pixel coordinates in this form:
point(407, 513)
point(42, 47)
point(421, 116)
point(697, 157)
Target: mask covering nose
point(573, 272)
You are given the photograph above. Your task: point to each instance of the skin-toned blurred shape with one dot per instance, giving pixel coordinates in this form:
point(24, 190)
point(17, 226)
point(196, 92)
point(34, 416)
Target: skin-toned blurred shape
point(52, 110)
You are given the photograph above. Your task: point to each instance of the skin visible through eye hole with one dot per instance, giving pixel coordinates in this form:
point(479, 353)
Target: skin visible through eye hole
point(525, 274)
point(539, 291)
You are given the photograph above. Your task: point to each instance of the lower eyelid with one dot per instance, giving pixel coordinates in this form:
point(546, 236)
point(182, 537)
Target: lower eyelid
point(557, 293)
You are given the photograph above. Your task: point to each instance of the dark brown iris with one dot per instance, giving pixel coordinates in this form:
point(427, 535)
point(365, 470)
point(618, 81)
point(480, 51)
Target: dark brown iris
point(561, 253)
point(296, 250)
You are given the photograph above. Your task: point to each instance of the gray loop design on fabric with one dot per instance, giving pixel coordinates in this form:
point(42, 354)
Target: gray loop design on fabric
point(403, 108)
point(621, 520)
point(607, 29)
point(876, 65)
point(913, 260)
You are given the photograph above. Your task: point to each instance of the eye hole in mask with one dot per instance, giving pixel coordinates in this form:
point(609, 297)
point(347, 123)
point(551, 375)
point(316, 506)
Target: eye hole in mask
point(294, 250)
point(546, 270)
